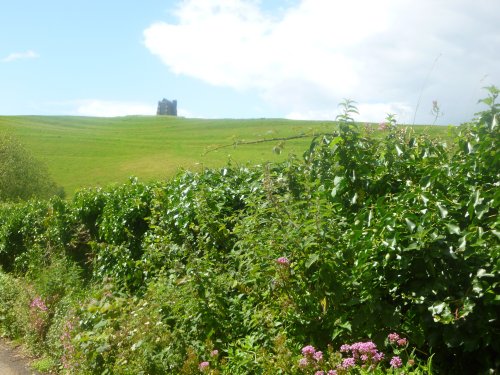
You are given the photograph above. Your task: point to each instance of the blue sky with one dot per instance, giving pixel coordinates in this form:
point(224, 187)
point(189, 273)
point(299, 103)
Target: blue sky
point(248, 58)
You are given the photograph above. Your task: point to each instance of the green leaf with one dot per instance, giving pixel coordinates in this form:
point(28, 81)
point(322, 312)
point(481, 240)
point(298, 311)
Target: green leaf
point(411, 225)
point(467, 308)
point(441, 312)
point(354, 198)
point(103, 348)
point(340, 327)
point(477, 198)
point(313, 258)
point(102, 323)
point(442, 210)
point(483, 273)
point(136, 345)
point(424, 199)
point(481, 209)
point(453, 229)
point(337, 180)
point(462, 243)
point(470, 148)
point(412, 246)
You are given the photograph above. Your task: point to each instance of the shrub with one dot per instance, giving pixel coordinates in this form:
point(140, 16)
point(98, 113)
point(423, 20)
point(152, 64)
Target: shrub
point(362, 237)
point(22, 176)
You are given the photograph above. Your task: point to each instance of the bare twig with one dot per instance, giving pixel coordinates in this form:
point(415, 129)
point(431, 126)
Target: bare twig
point(237, 143)
point(423, 87)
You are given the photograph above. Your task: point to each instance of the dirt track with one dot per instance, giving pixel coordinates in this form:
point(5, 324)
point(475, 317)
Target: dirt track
point(12, 362)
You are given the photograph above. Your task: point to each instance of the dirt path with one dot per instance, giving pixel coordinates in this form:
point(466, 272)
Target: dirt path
point(12, 362)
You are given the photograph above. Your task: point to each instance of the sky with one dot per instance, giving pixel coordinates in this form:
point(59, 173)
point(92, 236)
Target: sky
point(295, 59)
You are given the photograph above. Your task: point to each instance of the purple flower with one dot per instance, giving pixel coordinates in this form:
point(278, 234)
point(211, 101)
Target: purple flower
point(365, 351)
point(396, 362)
point(38, 303)
point(283, 261)
point(303, 362)
point(318, 356)
point(308, 350)
point(364, 347)
point(393, 337)
point(348, 362)
point(203, 366)
point(378, 357)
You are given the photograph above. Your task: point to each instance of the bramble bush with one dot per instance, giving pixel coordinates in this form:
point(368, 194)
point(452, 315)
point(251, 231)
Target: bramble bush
point(306, 267)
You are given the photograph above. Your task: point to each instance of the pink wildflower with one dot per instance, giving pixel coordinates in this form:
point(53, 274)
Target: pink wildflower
point(378, 357)
point(332, 372)
point(364, 347)
point(283, 261)
point(393, 337)
point(348, 362)
point(203, 366)
point(303, 362)
point(402, 342)
point(38, 303)
point(214, 353)
point(308, 350)
point(319, 373)
point(318, 356)
point(396, 362)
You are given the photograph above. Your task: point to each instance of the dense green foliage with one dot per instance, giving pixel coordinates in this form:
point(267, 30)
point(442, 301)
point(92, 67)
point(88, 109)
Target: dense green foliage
point(362, 237)
point(85, 152)
point(21, 175)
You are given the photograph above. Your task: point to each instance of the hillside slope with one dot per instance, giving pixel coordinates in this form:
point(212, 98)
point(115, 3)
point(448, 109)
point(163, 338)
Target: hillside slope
point(89, 151)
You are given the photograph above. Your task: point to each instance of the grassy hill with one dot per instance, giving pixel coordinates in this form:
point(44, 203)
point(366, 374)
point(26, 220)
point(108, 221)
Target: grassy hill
point(88, 151)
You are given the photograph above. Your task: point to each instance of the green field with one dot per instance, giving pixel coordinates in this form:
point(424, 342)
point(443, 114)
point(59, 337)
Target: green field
point(86, 151)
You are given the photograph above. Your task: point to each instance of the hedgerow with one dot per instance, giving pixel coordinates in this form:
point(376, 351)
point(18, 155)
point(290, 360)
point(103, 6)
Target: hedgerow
point(372, 254)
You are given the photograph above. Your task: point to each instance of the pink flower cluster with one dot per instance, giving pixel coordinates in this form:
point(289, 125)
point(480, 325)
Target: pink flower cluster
point(283, 261)
point(396, 362)
point(366, 352)
point(395, 339)
point(38, 303)
point(312, 358)
point(203, 366)
point(308, 351)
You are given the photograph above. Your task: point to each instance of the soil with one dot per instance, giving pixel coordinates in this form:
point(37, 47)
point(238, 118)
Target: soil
point(12, 361)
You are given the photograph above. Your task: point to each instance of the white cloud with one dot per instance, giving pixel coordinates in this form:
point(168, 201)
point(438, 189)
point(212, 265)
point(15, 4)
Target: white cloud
point(370, 112)
point(20, 56)
point(313, 54)
point(103, 108)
